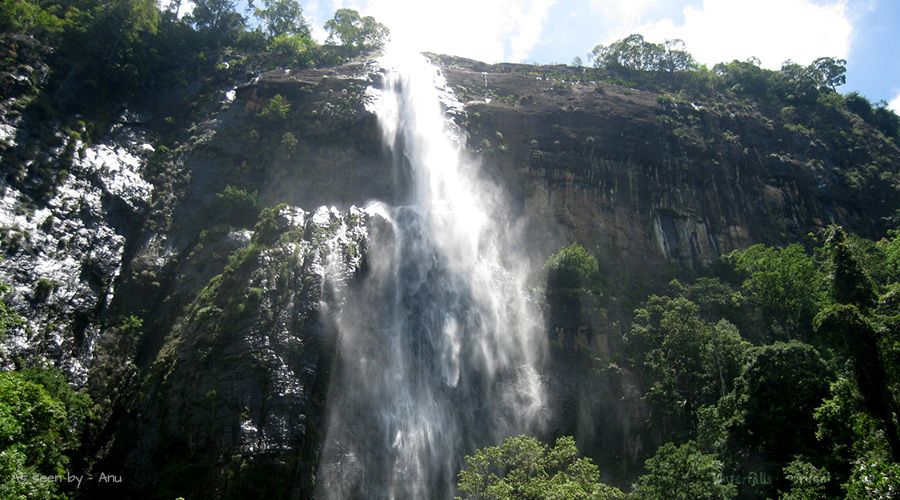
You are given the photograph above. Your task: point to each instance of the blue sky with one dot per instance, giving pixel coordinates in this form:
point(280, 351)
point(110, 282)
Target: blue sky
point(865, 32)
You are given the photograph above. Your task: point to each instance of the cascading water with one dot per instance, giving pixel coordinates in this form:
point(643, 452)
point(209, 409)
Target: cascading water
point(439, 349)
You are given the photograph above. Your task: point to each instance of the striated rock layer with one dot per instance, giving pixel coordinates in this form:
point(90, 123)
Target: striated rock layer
point(222, 394)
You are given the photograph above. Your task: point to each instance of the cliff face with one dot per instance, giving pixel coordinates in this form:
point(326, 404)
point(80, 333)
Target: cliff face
point(231, 365)
point(654, 177)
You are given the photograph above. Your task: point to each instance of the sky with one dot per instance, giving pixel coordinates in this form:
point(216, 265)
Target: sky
point(864, 32)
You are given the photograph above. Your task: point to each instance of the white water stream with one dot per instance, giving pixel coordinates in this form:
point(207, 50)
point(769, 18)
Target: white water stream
point(439, 349)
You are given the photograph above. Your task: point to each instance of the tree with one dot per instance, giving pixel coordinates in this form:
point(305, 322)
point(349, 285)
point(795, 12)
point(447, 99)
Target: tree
point(291, 50)
point(874, 479)
point(847, 430)
point(807, 481)
point(39, 419)
point(850, 328)
point(745, 77)
point(104, 54)
point(275, 109)
point(356, 33)
point(523, 468)
point(283, 17)
point(686, 362)
point(219, 19)
point(785, 283)
point(571, 270)
point(235, 206)
point(859, 104)
point(635, 53)
point(885, 120)
point(28, 16)
point(779, 388)
point(829, 72)
point(683, 473)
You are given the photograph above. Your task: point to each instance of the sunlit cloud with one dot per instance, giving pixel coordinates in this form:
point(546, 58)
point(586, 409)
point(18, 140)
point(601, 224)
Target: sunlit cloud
point(487, 30)
point(771, 30)
point(894, 104)
point(623, 12)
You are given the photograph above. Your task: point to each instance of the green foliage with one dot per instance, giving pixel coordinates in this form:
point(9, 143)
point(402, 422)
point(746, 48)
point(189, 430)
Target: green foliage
point(357, 34)
point(636, 54)
point(683, 473)
point(276, 109)
point(846, 429)
point(28, 16)
point(807, 481)
point(21, 481)
point(716, 299)
point(39, 421)
point(283, 17)
point(131, 324)
point(289, 141)
point(860, 105)
point(885, 120)
point(572, 269)
point(291, 50)
point(524, 468)
point(8, 317)
point(889, 247)
point(780, 387)
point(785, 283)
point(880, 116)
point(874, 479)
point(266, 229)
point(235, 205)
point(686, 362)
point(107, 47)
point(829, 72)
point(850, 284)
point(850, 327)
point(219, 19)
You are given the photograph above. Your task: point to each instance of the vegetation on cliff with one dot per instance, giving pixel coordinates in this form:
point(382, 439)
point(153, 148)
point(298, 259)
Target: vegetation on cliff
point(799, 401)
point(778, 373)
point(153, 49)
point(41, 420)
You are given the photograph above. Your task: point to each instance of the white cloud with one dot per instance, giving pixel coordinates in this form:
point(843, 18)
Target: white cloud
point(772, 30)
point(623, 12)
point(895, 103)
point(312, 11)
point(487, 30)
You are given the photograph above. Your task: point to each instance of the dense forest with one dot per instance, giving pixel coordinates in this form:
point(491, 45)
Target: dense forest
point(773, 372)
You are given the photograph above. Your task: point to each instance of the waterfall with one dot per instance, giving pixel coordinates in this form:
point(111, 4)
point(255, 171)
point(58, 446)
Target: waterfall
point(439, 349)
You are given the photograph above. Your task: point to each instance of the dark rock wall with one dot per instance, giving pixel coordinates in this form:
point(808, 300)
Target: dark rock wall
point(234, 357)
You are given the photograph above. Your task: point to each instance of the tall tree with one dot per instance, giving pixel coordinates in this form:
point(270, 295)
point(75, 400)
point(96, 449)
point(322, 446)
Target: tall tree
point(850, 327)
point(358, 34)
point(283, 17)
point(219, 19)
point(830, 72)
point(523, 468)
point(683, 473)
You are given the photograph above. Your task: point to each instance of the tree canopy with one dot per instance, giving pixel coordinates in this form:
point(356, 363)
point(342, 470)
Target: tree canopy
point(524, 468)
point(283, 17)
point(635, 53)
point(357, 33)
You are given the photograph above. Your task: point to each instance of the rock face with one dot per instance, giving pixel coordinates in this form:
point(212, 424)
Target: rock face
point(234, 355)
point(63, 256)
point(640, 176)
point(233, 402)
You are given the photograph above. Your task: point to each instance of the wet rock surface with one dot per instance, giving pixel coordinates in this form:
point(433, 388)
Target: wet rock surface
point(63, 256)
point(234, 357)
